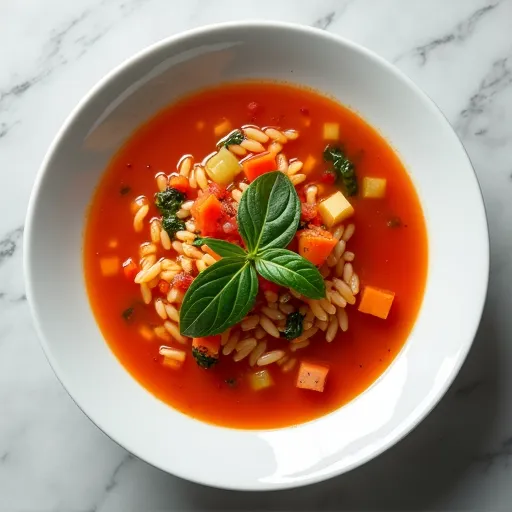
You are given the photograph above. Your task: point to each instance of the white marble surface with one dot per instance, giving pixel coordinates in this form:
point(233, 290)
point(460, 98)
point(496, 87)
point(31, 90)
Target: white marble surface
point(51, 457)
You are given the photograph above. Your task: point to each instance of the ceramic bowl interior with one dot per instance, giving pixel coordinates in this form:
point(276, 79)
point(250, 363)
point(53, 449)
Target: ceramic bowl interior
point(457, 270)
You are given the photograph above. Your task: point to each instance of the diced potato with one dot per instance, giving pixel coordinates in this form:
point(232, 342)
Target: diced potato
point(261, 380)
point(110, 265)
point(223, 128)
point(223, 167)
point(312, 376)
point(331, 131)
point(309, 164)
point(335, 209)
point(376, 301)
point(374, 187)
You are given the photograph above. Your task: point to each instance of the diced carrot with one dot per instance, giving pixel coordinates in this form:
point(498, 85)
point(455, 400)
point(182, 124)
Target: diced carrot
point(211, 344)
point(207, 210)
point(315, 245)
point(312, 376)
point(130, 269)
point(376, 301)
point(211, 252)
point(257, 165)
point(109, 265)
point(164, 287)
point(179, 183)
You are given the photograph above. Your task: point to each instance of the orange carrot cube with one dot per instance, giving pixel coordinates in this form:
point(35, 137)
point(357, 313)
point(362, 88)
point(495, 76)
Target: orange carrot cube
point(376, 301)
point(312, 376)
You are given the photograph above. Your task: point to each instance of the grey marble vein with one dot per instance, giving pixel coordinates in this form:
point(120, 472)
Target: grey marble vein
point(460, 33)
point(497, 79)
point(459, 458)
point(9, 244)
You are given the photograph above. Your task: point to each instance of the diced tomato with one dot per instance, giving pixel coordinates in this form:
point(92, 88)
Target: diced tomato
point(267, 286)
point(328, 177)
point(182, 281)
point(130, 269)
point(164, 287)
point(217, 190)
point(207, 211)
point(179, 183)
point(308, 212)
point(259, 164)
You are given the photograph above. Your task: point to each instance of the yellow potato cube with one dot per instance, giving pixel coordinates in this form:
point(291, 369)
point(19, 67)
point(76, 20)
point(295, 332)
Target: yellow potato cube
point(223, 167)
point(374, 188)
point(335, 209)
point(261, 380)
point(331, 131)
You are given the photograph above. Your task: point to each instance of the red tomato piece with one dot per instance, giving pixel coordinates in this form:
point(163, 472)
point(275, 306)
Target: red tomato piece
point(164, 287)
point(182, 281)
point(130, 269)
point(179, 183)
point(308, 212)
point(328, 177)
point(267, 286)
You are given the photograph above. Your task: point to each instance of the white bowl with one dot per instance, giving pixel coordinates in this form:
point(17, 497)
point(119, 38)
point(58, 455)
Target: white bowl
point(457, 270)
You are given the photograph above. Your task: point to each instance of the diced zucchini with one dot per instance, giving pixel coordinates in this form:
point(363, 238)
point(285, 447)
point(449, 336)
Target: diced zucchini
point(374, 187)
point(261, 380)
point(335, 209)
point(223, 128)
point(331, 131)
point(223, 167)
point(110, 265)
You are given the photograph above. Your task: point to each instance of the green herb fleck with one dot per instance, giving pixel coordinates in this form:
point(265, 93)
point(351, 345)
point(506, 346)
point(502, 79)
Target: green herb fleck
point(231, 382)
point(125, 189)
point(294, 326)
point(168, 202)
point(198, 242)
point(344, 168)
point(127, 314)
point(203, 358)
point(172, 224)
point(394, 222)
point(234, 138)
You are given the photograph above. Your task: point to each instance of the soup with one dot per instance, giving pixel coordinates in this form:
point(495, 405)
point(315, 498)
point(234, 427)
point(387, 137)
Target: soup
point(255, 255)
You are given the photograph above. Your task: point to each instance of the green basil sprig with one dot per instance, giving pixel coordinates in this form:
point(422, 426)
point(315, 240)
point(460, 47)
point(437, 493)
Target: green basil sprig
point(268, 217)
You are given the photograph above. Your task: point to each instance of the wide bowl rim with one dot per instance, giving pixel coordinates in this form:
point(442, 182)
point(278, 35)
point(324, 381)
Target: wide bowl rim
point(414, 419)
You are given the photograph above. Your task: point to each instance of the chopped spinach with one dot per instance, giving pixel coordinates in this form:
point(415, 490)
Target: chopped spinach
point(203, 358)
point(293, 327)
point(234, 138)
point(168, 202)
point(343, 167)
point(394, 222)
point(127, 314)
point(125, 189)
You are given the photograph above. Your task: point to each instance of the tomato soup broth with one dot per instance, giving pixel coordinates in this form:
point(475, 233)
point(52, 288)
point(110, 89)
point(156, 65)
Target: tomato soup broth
point(389, 244)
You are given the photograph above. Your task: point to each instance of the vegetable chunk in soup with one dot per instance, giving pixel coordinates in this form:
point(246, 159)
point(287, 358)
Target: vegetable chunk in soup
point(255, 255)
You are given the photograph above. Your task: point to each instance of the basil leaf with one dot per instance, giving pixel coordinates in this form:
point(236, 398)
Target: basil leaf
point(269, 212)
point(218, 298)
point(287, 268)
point(221, 247)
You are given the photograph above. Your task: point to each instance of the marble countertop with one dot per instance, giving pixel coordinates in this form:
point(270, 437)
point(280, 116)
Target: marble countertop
point(52, 458)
